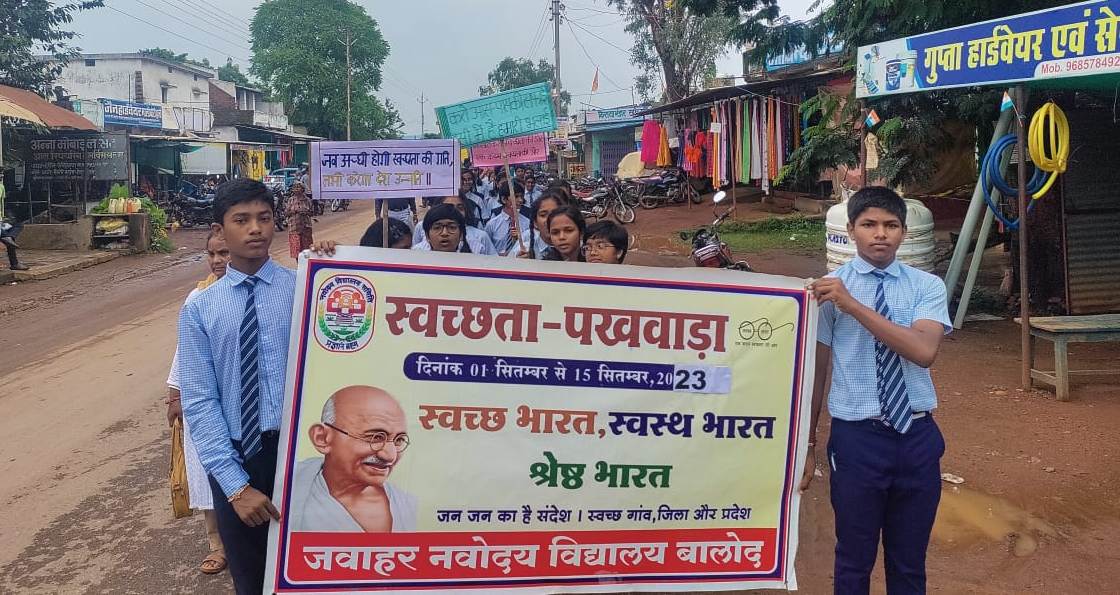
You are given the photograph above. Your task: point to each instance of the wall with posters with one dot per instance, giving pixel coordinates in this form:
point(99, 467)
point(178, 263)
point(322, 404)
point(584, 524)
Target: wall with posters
point(544, 427)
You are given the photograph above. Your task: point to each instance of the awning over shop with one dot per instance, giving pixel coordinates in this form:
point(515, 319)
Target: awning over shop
point(207, 159)
point(258, 147)
point(52, 116)
point(614, 126)
point(280, 134)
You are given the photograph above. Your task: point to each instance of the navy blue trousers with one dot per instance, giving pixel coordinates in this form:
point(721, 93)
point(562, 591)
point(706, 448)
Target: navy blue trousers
point(889, 484)
point(247, 547)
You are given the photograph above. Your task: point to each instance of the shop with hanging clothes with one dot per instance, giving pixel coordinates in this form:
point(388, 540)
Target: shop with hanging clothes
point(742, 134)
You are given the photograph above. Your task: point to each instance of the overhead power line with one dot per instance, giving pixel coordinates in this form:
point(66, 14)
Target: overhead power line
point(210, 33)
point(538, 36)
point(600, 38)
point(243, 33)
point(228, 15)
point(590, 9)
point(589, 58)
point(239, 59)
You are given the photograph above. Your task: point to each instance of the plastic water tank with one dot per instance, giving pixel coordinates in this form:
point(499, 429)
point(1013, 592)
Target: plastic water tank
point(917, 249)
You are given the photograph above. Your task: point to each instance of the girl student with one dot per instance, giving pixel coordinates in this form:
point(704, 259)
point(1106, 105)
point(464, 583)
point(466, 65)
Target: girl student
point(566, 229)
point(537, 244)
point(446, 230)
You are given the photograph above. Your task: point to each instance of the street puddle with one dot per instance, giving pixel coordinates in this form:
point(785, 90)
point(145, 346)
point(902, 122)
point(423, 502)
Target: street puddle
point(966, 516)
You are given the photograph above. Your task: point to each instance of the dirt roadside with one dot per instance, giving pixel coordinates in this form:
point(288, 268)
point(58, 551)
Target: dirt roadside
point(83, 508)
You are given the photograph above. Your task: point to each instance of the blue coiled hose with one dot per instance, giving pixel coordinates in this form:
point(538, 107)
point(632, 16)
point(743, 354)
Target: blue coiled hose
point(992, 175)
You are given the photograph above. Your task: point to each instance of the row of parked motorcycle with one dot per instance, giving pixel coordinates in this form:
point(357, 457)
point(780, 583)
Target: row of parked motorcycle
point(602, 197)
point(192, 206)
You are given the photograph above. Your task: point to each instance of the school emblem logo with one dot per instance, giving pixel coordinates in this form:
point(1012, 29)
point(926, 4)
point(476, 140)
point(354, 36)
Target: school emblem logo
point(344, 316)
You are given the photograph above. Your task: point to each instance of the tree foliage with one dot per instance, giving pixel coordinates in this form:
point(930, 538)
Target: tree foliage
point(673, 44)
point(171, 56)
point(232, 73)
point(512, 73)
point(300, 55)
point(32, 27)
point(912, 133)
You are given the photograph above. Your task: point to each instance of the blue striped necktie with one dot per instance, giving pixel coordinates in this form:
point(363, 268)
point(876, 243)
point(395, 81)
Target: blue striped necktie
point(893, 401)
point(250, 380)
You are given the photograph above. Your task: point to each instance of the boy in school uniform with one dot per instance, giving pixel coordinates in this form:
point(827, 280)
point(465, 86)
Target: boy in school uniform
point(233, 352)
point(881, 324)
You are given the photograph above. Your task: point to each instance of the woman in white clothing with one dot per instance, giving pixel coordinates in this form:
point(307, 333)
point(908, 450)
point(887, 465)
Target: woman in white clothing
point(198, 486)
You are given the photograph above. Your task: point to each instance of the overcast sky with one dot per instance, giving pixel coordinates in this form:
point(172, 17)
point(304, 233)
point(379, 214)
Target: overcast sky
point(441, 48)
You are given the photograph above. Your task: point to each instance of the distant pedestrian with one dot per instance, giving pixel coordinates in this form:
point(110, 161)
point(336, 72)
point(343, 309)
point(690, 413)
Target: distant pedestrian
point(299, 220)
point(882, 320)
point(8, 233)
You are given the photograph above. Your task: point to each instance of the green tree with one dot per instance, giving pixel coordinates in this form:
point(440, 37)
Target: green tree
point(673, 44)
point(232, 73)
point(912, 133)
point(300, 55)
point(512, 73)
point(31, 27)
point(171, 56)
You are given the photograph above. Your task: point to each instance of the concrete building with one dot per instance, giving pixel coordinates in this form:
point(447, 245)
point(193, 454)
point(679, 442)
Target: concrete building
point(140, 93)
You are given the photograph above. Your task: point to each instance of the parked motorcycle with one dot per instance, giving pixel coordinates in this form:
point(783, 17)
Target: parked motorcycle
point(669, 186)
point(707, 248)
point(190, 207)
point(607, 199)
point(339, 204)
point(318, 207)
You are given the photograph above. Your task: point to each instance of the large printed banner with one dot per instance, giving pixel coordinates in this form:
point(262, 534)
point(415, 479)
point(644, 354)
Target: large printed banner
point(517, 112)
point(455, 423)
point(1074, 40)
point(385, 168)
point(523, 149)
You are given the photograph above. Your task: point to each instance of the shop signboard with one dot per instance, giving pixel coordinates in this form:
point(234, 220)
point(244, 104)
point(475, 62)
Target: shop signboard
point(77, 157)
point(127, 113)
point(614, 115)
point(576, 170)
point(539, 427)
point(1066, 41)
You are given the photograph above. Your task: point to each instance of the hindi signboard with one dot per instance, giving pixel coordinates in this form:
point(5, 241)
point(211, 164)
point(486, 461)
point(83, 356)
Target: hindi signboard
point(127, 113)
point(522, 149)
point(385, 168)
point(78, 157)
point(528, 437)
point(1066, 41)
point(518, 112)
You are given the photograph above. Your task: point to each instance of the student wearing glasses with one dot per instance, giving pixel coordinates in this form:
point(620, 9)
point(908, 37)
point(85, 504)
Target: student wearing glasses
point(605, 242)
point(362, 435)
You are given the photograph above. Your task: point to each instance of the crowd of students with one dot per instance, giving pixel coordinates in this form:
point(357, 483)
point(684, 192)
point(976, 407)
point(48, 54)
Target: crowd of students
point(481, 220)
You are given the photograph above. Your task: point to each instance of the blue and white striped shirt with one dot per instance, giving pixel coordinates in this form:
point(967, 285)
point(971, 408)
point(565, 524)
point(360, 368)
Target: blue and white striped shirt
point(912, 295)
point(210, 364)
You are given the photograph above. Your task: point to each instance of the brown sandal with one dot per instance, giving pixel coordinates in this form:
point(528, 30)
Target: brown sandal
point(213, 563)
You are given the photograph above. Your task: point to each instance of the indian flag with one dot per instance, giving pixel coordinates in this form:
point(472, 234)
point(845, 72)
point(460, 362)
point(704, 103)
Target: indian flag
point(1006, 104)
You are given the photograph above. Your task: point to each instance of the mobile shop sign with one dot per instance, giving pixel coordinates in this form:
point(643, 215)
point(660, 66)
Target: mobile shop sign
point(522, 149)
point(126, 113)
point(1075, 40)
point(518, 112)
point(101, 156)
point(531, 439)
point(385, 168)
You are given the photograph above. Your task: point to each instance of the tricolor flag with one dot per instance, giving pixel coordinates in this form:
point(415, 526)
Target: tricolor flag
point(872, 119)
point(1006, 104)
point(595, 81)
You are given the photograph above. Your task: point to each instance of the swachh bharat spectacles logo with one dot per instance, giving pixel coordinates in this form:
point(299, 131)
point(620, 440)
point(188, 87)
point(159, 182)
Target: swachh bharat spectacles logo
point(344, 316)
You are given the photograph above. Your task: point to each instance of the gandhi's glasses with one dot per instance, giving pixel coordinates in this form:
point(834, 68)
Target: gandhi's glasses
point(377, 440)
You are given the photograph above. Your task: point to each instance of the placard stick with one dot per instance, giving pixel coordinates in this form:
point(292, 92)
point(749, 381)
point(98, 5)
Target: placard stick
point(514, 216)
point(384, 223)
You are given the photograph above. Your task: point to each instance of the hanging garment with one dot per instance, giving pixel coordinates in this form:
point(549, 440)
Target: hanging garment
point(664, 156)
point(779, 136)
point(756, 140)
point(771, 139)
point(746, 142)
point(764, 134)
point(651, 137)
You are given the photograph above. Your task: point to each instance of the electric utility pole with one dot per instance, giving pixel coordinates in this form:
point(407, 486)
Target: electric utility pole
point(422, 101)
point(349, 75)
point(556, 7)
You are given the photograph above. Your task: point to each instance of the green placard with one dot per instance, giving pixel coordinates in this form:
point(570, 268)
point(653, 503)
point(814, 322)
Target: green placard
point(516, 112)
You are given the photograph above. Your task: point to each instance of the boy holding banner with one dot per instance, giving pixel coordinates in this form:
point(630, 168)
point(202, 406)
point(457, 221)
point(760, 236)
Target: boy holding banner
point(882, 320)
point(503, 232)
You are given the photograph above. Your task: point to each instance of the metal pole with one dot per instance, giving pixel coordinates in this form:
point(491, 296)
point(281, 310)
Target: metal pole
point(1024, 287)
point(975, 208)
point(863, 145)
point(556, 52)
point(422, 102)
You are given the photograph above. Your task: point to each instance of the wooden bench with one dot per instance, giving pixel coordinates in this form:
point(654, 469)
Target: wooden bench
point(1063, 330)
